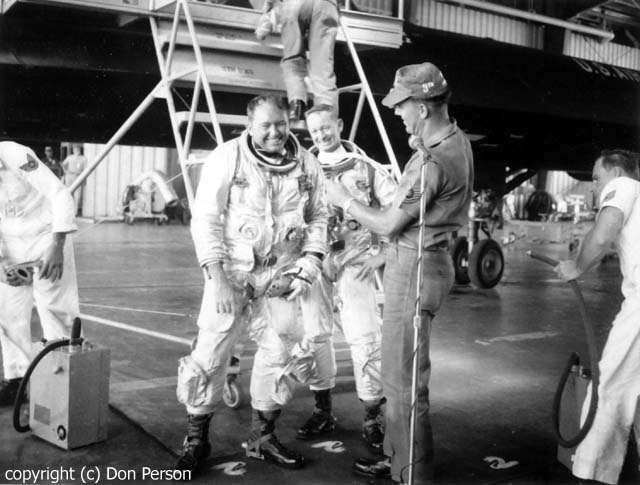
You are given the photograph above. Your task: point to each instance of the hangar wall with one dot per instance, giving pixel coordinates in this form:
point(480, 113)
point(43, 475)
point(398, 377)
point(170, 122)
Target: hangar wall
point(104, 188)
point(606, 52)
point(452, 18)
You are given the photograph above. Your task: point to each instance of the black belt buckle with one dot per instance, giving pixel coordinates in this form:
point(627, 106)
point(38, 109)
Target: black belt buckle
point(337, 245)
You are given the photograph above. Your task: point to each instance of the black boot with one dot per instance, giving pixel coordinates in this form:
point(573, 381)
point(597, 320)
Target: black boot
point(9, 391)
point(367, 467)
point(264, 445)
point(372, 430)
point(321, 421)
point(297, 107)
point(196, 444)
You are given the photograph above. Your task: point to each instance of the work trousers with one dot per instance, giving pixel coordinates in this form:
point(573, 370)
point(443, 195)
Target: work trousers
point(397, 355)
point(56, 302)
point(310, 25)
point(601, 454)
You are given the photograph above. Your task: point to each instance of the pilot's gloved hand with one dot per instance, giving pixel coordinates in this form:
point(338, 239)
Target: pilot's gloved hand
point(306, 270)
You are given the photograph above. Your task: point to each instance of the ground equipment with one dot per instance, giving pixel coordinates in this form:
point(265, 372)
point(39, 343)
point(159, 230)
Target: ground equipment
point(148, 198)
point(69, 392)
point(475, 260)
point(572, 388)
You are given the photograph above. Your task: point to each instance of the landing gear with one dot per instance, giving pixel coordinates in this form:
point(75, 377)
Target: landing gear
point(460, 256)
point(486, 264)
point(480, 262)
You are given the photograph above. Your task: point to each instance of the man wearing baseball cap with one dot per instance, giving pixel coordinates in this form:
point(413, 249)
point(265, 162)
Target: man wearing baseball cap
point(419, 96)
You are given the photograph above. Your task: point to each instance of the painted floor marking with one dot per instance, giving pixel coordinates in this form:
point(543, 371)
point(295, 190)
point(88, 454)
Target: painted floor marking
point(135, 309)
point(498, 463)
point(519, 337)
point(141, 384)
point(232, 468)
point(330, 446)
point(133, 328)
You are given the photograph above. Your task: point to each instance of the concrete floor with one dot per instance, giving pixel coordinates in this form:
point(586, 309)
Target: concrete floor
point(496, 357)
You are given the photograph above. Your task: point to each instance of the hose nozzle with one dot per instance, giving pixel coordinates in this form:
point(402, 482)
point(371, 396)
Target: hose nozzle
point(76, 340)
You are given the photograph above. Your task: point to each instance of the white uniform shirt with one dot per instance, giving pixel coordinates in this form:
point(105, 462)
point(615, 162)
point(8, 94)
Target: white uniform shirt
point(624, 194)
point(33, 201)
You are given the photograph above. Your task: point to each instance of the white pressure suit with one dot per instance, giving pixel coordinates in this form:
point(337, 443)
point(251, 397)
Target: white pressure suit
point(34, 204)
point(601, 454)
point(349, 245)
point(258, 219)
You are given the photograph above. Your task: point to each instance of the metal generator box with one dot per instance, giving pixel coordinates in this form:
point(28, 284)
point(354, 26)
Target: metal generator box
point(69, 396)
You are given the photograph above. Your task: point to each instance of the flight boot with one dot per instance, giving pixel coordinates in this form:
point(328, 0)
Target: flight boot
point(321, 421)
point(9, 391)
point(196, 446)
point(264, 445)
point(372, 430)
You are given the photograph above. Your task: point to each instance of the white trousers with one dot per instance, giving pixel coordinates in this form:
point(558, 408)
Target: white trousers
point(273, 323)
point(57, 305)
point(601, 455)
point(360, 324)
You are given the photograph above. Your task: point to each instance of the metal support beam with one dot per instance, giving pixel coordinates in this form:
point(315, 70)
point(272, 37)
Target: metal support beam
point(139, 111)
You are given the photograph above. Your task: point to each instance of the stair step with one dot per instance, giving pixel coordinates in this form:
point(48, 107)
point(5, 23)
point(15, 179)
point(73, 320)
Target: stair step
point(230, 120)
point(223, 119)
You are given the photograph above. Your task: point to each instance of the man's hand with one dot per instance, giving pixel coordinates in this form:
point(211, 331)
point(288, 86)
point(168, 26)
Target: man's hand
point(568, 270)
point(10, 279)
point(224, 294)
point(336, 193)
point(298, 287)
point(369, 265)
point(53, 259)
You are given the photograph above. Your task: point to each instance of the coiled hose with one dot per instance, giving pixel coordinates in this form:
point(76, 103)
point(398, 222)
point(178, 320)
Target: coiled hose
point(574, 359)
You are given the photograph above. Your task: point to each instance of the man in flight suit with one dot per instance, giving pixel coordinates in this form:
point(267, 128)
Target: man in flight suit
point(259, 229)
point(420, 97)
point(354, 255)
point(36, 214)
point(601, 454)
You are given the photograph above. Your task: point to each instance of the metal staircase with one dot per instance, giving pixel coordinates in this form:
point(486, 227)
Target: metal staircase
point(207, 48)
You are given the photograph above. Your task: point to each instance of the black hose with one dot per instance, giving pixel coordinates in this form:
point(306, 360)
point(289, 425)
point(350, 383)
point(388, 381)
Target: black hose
point(75, 339)
point(25, 380)
point(574, 359)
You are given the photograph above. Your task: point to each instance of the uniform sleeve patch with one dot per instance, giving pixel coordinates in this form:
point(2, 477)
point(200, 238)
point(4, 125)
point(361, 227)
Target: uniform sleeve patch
point(609, 196)
point(412, 196)
point(31, 164)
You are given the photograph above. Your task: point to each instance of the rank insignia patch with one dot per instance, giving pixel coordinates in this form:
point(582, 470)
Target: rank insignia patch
point(609, 196)
point(31, 164)
point(412, 196)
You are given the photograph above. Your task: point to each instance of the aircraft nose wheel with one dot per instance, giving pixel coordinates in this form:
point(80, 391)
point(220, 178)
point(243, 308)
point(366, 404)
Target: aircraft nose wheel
point(486, 264)
point(460, 256)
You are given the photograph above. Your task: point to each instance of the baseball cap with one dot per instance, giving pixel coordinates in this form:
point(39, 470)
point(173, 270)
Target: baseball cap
point(421, 81)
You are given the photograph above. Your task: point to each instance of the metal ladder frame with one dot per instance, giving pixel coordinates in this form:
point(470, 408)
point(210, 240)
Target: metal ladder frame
point(366, 94)
point(163, 90)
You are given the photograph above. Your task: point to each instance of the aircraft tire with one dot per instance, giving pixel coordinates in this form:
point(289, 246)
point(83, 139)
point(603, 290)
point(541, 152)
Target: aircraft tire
point(486, 264)
point(460, 256)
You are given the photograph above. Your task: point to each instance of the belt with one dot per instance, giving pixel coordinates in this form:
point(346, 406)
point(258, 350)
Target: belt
point(439, 245)
point(265, 261)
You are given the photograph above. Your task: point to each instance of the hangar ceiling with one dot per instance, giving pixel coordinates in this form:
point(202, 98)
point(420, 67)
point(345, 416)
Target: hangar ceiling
point(620, 16)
